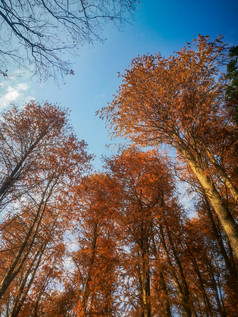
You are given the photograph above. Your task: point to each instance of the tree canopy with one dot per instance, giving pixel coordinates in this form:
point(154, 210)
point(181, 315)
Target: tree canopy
point(181, 101)
point(109, 243)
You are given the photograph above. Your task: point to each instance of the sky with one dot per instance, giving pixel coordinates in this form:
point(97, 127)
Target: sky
point(157, 26)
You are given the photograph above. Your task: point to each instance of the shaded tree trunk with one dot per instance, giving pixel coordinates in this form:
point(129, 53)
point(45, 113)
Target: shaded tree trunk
point(183, 293)
point(91, 263)
point(27, 244)
point(165, 304)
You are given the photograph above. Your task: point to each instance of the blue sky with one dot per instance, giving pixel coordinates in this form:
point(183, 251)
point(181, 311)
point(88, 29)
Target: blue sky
point(163, 26)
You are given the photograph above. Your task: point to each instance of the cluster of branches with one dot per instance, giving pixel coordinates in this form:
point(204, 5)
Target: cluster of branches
point(36, 34)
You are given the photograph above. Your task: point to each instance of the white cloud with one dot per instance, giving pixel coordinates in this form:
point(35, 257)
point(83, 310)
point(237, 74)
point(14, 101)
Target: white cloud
point(22, 86)
point(12, 94)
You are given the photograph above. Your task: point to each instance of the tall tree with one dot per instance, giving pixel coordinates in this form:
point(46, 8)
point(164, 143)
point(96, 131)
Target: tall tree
point(96, 258)
point(180, 101)
point(44, 159)
point(27, 138)
point(145, 186)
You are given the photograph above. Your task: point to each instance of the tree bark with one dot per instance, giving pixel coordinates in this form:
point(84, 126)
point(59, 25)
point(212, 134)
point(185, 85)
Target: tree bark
point(184, 296)
point(229, 262)
point(88, 279)
point(27, 244)
point(222, 172)
point(223, 213)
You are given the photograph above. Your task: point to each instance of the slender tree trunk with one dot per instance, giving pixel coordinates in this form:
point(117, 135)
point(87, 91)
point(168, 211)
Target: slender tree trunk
point(145, 271)
point(185, 301)
point(186, 291)
point(229, 261)
point(14, 311)
point(209, 309)
point(223, 213)
point(27, 244)
point(215, 287)
point(145, 279)
point(35, 313)
point(88, 279)
point(222, 172)
point(25, 287)
point(165, 303)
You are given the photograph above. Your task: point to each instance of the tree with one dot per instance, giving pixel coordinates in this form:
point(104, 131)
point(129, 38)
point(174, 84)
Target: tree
point(27, 137)
point(96, 259)
point(40, 159)
point(141, 179)
point(43, 266)
point(148, 215)
point(36, 33)
point(24, 136)
point(180, 101)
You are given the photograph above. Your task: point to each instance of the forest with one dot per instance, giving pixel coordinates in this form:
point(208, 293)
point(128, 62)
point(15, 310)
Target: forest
point(118, 241)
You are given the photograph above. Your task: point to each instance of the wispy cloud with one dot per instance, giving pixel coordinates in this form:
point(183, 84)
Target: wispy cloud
point(12, 93)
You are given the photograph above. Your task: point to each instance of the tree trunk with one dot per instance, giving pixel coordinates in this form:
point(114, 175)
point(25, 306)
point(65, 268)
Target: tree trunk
point(230, 265)
point(223, 213)
point(27, 244)
point(25, 287)
point(16, 172)
point(145, 279)
point(166, 303)
point(88, 279)
point(186, 292)
point(207, 303)
point(184, 296)
point(145, 271)
point(221, 171)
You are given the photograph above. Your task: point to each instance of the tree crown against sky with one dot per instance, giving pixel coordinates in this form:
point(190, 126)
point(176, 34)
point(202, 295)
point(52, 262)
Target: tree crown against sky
point(36, 34)
point(181, 101)
point(153, 85)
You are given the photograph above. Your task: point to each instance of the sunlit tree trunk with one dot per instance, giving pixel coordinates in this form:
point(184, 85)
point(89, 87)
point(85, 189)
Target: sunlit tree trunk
point(230, 265)
point(222, 172)
point(223, 213)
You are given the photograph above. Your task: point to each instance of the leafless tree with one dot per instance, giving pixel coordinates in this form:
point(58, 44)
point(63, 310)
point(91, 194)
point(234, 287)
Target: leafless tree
point(35, 34)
